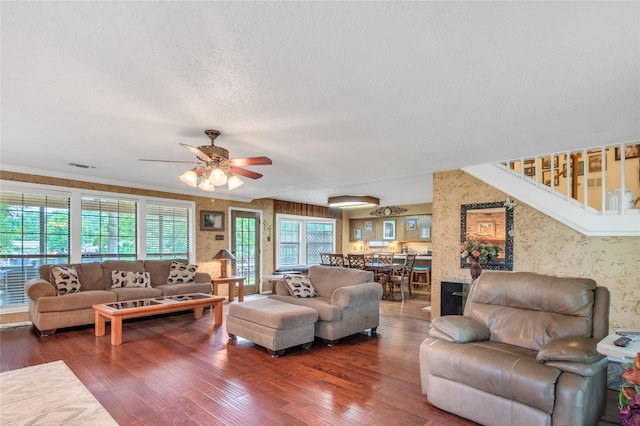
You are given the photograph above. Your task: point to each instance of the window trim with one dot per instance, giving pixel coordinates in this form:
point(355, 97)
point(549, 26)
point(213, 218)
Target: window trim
point(303, 230)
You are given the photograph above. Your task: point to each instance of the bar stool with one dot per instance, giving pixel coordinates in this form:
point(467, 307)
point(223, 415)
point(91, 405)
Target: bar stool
point(421, 275)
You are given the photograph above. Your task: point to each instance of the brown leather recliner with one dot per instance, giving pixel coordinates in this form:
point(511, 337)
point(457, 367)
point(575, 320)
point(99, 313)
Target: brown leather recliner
point(524, 352)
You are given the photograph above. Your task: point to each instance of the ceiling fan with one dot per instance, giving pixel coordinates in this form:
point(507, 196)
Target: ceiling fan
point(215, 168)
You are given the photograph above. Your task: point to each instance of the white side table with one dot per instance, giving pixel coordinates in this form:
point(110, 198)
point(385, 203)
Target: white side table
point(617, 356)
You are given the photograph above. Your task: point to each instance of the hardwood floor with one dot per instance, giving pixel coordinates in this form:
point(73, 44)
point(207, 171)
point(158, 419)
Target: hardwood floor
point(177, 370)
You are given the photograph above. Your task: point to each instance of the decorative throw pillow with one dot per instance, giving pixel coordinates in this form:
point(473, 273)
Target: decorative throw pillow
point(300, 286)
point(181, 273)
point(66, 280)
point(121, 279)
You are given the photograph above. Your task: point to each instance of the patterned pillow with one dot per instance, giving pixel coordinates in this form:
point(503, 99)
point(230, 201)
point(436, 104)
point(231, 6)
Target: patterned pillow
point(181, 273)
point(130, 279)
point(66, 280)
point(300, 286)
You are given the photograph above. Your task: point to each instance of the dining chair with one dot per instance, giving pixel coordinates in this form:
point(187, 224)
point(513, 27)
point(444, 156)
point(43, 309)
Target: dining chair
point(356, 261)
point(380, 275)
point(368, 258)
point(336, 259)
point(402, 276)
point(325, 259)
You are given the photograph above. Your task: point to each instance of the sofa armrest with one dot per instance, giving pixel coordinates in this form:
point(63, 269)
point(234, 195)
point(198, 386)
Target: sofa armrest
point(37, 288)
point(458, 329)
point(570, 349)
point(202, 277)
point(358, 294)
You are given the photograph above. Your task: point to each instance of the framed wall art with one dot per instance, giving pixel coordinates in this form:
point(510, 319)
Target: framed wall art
point(425, 232)
point(630, 151)
point(211, 221)
point(389, 230)
point(412, 224)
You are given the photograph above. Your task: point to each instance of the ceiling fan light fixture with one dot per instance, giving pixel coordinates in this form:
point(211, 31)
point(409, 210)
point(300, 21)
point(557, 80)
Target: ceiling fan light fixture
point(218, 176)
point(353, 201)
point(206, 185)
point(234, 182)
point(190, 177)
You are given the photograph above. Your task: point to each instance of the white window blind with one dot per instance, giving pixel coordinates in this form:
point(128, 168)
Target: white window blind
point(109, 229)
point(34, 230)
point(167, 232)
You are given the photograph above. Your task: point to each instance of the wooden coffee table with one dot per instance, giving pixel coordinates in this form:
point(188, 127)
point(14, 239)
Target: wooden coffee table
point(118, 311)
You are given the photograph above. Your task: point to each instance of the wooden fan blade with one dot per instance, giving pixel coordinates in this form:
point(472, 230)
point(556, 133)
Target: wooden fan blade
point(251, 161)
point(195, 151)
point(170, 161)
point(245, 173)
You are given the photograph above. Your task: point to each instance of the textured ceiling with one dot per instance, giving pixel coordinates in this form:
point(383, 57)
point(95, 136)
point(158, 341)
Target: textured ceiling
point(344, 97)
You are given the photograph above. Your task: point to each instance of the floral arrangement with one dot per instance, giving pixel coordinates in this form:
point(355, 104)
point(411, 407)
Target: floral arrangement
point(629, 398)
point(478, 249)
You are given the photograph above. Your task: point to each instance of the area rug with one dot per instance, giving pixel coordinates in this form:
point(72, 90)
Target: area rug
point(48, 394)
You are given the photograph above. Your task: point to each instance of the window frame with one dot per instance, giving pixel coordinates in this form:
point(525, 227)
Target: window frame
point(302, 240)
point(75, 219)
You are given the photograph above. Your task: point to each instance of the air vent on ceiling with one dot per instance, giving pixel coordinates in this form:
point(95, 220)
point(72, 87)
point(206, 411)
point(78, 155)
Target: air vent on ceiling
point(81, 166)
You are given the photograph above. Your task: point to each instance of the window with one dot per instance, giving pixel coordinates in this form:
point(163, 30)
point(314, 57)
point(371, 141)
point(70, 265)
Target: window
point(34, 230)
point(108, 229)
point(37, 227)
point(167, 232)
point(302, 239)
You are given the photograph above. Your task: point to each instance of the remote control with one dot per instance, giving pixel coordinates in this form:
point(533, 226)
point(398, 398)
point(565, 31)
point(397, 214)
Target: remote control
point(623, 342)
point(628, 332)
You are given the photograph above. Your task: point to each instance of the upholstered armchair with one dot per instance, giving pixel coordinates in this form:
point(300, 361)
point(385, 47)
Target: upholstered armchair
point(523, 352)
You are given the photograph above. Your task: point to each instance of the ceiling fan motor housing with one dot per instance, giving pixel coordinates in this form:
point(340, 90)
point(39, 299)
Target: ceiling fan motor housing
point(212, 150)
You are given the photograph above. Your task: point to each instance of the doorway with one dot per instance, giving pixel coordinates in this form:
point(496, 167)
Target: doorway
point(245, 246)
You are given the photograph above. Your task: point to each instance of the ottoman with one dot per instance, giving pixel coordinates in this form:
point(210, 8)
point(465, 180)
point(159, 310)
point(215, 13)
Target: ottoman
point(272, 324)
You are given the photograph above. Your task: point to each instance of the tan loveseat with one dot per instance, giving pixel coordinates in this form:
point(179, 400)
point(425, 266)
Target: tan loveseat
point(48, 311)
point(347, 301)
point(524, 352)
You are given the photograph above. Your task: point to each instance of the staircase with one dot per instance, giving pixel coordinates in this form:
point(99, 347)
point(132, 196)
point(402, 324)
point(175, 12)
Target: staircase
point(574, 188)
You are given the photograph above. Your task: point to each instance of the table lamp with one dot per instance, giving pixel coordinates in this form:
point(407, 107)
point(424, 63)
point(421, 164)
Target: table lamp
point(223, 255)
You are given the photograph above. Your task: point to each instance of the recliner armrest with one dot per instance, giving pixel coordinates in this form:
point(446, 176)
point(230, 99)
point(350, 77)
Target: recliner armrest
point(354, 295)
point(37, 288)
point(458, 329)
point(570, 349)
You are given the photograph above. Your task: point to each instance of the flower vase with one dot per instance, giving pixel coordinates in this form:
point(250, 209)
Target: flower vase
point(475, 268)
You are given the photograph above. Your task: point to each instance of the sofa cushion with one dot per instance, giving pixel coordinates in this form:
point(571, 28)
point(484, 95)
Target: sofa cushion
point(89, 274)
point(530, 310)
point(499, 369)
point(66, 280)
point(326, 279)
point(133, 293)
point(119, 265)
point(130, 279)
point(300, 286)
point(181, 273)
point(274, 314)
point(326, 311)
point(75, 301)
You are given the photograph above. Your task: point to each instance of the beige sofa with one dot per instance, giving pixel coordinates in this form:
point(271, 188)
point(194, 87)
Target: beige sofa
point(524, 352)
point(347, 301)
point(48, 311)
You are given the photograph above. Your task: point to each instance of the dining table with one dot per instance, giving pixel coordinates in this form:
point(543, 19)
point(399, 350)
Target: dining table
point(384, 269)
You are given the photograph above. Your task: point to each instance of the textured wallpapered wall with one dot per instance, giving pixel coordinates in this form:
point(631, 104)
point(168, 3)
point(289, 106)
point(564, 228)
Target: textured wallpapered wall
point(541, 244)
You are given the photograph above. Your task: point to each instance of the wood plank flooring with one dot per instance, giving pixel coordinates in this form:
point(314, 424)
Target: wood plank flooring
point(177, 370)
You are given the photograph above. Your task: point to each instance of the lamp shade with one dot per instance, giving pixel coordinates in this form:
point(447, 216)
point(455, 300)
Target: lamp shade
point(223, 254)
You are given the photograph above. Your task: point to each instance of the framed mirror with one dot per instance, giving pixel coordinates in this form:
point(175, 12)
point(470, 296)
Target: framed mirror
point(489, 222)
